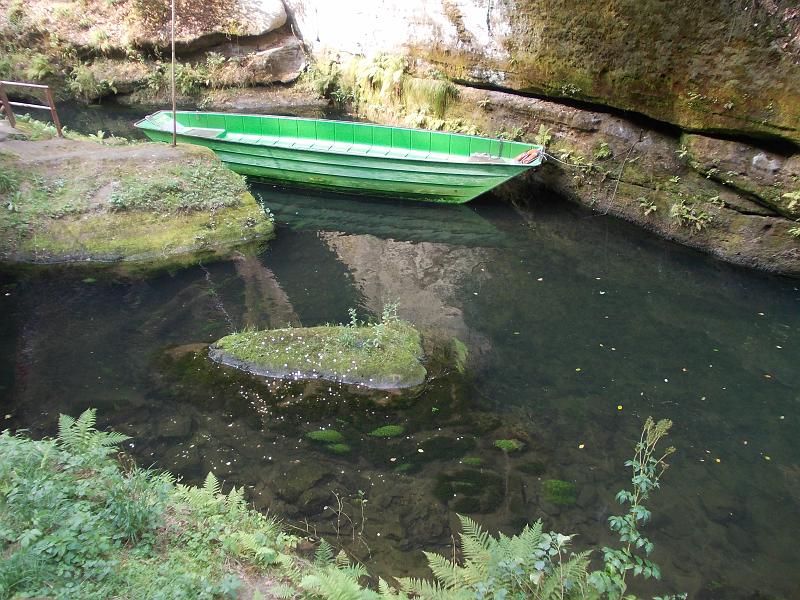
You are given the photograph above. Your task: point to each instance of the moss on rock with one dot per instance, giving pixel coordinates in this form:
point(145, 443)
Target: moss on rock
point(326, 435)
point(388, 431)
point(382, 356)
point(509, 446)
point(75, 201)
point(562, 493)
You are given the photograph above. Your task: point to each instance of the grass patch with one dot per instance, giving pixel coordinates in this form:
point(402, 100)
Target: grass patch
point(383, 355)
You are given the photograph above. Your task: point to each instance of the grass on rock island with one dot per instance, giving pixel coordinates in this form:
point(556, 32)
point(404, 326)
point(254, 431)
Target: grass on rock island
point(384, 355)
point(78, 200)
point(79, 520)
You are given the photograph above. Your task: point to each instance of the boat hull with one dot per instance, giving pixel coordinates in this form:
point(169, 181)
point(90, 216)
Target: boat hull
point(364, 173)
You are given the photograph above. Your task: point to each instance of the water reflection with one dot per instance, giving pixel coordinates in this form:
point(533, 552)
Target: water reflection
point(579, 328)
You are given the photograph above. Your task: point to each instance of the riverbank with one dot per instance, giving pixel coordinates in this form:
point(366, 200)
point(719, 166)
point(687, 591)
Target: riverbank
point(80, 520)
point(131, 206)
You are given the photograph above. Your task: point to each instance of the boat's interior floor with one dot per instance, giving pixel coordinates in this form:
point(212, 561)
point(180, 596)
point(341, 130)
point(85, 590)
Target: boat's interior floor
point(336, 147)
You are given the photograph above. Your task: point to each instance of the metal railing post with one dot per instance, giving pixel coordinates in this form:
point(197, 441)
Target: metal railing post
point(53, 112)
point(51, 105)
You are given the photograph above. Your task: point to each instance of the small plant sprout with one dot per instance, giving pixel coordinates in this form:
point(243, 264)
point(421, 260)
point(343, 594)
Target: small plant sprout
point(794, 200)
point(603, 151)
point(688, 215)
point(543, 137)
point(647, 206)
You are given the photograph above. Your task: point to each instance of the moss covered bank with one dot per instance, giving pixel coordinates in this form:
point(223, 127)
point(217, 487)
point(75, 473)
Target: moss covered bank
point(140, 205)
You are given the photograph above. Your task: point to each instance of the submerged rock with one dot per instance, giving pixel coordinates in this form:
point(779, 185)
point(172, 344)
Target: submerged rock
point(470, 490)
point(383, 356)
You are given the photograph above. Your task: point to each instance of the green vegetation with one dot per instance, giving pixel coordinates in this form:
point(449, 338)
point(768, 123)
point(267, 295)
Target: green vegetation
point(338, 448)
point(509, 446)
point(198, 185)
point(603, 151)
point(472, 461)
point(795, 231)
point(532, 564)
point(543, 137)
point(383, 355)
point(794, 200)
point(383, 85)
point(460, 354)
point(141, 203)
point(325, 435)
point(647, 206)
point(388, 431)
point(559, 492)
point(689, 215)
point(74, 523)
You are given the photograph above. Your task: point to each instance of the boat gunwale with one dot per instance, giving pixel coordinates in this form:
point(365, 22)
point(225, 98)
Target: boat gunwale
point(460, 160)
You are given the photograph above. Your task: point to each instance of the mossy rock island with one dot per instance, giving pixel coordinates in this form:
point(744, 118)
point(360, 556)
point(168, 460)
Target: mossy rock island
point(386, 355)
point(138, 205)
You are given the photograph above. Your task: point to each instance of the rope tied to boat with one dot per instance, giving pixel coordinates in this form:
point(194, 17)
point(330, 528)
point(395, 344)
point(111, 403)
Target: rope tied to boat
point(529, 156)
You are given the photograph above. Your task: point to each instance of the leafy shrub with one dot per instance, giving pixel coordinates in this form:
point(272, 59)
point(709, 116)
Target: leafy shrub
point(74, 524)
point(100, 39)
point(84, 84)
point(689, 215)
point(543, 137)
point(647, 206)
point(39, 67)
point(325, 78)
point(603, 151)
point(190, 79)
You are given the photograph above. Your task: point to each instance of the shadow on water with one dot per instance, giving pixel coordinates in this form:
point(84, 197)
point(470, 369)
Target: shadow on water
point(578, 328)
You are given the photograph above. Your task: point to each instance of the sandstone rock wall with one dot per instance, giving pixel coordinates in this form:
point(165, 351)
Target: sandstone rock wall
point(717, 66)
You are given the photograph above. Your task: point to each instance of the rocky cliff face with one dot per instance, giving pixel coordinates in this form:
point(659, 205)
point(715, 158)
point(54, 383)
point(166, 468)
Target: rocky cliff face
point(681, 116)
point(718, 66)
point(99, 48)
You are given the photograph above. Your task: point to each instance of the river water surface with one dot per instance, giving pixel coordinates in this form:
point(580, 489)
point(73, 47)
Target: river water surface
point(578, 327)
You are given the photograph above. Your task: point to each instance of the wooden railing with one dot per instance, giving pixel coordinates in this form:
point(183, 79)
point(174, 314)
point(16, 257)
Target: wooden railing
point(6, 104)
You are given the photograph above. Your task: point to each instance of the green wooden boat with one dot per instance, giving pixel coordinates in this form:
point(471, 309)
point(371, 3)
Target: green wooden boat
point(350, 157)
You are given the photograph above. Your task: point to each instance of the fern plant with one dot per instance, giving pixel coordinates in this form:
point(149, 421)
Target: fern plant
point(532, 564)
point(80, 437)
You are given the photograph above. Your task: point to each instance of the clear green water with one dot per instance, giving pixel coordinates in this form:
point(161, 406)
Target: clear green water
point(567, 316)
